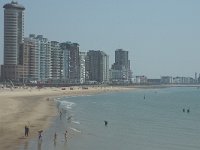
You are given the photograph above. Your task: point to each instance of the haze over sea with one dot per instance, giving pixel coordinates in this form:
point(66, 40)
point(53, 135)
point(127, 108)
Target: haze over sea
point(140, 119)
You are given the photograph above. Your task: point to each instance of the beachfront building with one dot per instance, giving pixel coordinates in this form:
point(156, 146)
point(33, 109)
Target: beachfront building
point(184, 80)
point(105, 67)
point(140, 80)
point(70, 62)
point(12, 69)
point(56, 61)
point(153, 81)
point(166, 80)
point(65, 62)
point(74, 73)
point(97, 66)
point(45, 68)
point(82, 56)
point(120, 71)
point(30, 60)
point(43, 55)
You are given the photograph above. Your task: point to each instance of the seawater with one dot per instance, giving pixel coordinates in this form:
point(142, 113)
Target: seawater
point(139, 119)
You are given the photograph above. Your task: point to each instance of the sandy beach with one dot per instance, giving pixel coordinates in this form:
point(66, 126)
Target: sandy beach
point(35, 108)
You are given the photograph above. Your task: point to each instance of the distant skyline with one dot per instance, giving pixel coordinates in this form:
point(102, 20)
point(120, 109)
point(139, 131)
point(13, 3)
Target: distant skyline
point(162, 37)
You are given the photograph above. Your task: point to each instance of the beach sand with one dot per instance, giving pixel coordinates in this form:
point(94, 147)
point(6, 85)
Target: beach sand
point(35, 108)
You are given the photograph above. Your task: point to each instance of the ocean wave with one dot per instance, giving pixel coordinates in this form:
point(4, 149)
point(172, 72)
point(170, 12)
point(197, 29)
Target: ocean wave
point(76, 130)
point(76, 122)
point(65, 104)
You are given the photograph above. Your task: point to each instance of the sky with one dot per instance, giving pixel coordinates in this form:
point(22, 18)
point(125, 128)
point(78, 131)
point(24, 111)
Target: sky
point(162, 36)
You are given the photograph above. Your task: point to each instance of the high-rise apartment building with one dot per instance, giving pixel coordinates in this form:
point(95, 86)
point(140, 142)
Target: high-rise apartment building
point(71, 70)
point(65, 62)
point(31, 59)
point(120, 71)
point(55, 60)
point(13, 32)
point(121, 59)
point(97, 66)
point(13, 38)
point(82, 56)
point(43, 55)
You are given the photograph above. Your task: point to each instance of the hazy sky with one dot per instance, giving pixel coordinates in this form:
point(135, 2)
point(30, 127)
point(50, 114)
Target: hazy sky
point(162, 36)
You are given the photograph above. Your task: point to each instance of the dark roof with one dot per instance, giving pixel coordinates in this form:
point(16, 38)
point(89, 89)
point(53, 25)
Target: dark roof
point(13, 5)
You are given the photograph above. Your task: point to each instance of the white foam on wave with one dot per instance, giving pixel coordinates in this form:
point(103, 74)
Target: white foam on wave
point(76, 130)
point(65, 104)
point(76, 122)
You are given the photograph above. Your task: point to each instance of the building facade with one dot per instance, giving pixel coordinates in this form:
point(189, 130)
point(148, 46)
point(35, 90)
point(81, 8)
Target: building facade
point(40, 57)
point(65, 62)
point(12, 69)
point(120, 71)
point(55, 60)
point(71, 62)
point(82, 56)
point(97, 69)
point(13, 32)
point(31, 59)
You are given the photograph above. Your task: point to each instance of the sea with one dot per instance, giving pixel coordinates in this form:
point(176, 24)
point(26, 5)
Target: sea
point(138, 119)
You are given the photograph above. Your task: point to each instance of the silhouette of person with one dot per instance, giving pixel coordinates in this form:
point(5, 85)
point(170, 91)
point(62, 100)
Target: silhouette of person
point(106, 123)
point(55, 136)
point(66, 135)
point(40, 134)
point(26, 131)
point(60, 115)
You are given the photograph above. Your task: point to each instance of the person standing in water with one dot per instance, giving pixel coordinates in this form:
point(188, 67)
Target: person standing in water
point(66, 135)
point(55, 136)
point(60, 115)
point(106, 123)
point(40, 134)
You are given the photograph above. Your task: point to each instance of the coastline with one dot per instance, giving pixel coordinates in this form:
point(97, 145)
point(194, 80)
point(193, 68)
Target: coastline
point(35, 108)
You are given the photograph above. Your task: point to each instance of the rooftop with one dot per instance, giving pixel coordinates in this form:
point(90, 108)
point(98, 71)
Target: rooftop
point(12, 5)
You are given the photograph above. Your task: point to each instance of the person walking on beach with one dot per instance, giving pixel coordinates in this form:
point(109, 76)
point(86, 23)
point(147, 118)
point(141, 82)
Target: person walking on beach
point(26, 131)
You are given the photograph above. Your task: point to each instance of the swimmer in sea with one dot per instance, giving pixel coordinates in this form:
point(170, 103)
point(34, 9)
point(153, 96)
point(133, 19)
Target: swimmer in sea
point(106, 123)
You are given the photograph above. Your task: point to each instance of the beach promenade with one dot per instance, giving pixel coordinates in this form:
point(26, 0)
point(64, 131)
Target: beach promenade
point(34, 108)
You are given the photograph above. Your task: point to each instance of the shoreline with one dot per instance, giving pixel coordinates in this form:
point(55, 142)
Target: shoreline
point(35, 108)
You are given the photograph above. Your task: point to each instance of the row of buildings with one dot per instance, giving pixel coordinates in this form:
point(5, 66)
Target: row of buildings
point(37, 59)
point(166, 80)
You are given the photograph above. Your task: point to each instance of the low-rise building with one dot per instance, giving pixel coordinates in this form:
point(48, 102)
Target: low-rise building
point(140, 80)
point(153, 81)
point(166, 80)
